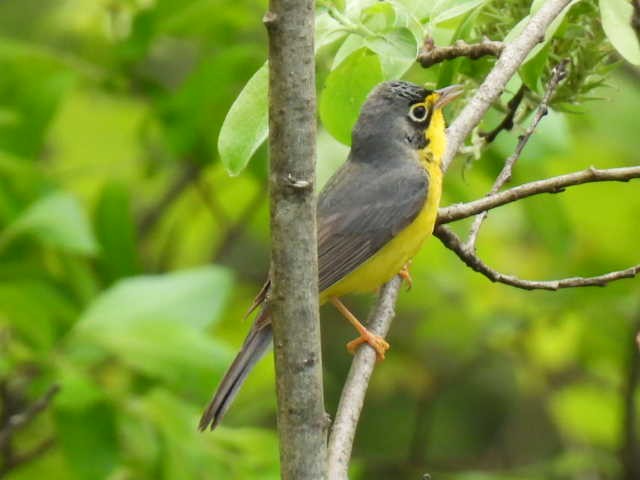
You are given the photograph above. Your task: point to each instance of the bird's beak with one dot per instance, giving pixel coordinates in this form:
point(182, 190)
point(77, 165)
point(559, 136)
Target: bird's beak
point(448, 94)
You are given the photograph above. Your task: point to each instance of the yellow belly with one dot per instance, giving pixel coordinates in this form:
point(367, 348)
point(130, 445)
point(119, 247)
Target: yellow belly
point(394, 255)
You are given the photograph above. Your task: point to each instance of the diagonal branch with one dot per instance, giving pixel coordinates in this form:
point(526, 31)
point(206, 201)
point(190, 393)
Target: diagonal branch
point(507, 121)
point(22, 419)
point(558, 74)
point(453, 242)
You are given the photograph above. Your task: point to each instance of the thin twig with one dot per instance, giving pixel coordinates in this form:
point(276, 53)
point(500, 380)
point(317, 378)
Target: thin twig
point(234, 231)
point(355, 388)
point(190, 171)
point(450, 240)
point(21, 419)
point(430, 54)
point(210, 200)
point(22, 458)
point(549, 185)
point(559, 72)
point(507, 121)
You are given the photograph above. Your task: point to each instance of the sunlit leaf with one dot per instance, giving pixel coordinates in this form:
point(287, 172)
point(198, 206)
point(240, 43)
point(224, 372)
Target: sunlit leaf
point(56, 220)
point(191, 298)
point(397, 52)
point(246, 125)
point(616, 22)
point(447, 11)
point(379, 17)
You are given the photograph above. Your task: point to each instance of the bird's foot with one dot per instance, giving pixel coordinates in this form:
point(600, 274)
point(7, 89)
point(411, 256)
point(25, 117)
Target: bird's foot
point(406, 276)
point(379, 344)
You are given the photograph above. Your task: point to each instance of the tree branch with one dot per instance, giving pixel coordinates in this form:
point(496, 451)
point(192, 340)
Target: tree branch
point(507, 121)
point(293, 298)
point(355, 388)
point(13, 418)
point(453, 242)
point(19, 420)
point(549, 185)
point(430, 54)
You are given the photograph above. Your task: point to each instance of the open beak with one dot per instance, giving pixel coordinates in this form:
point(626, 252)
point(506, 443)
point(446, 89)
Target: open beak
point(448, 94)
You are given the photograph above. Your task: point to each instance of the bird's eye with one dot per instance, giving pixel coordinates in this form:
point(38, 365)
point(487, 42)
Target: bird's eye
point(418, 113)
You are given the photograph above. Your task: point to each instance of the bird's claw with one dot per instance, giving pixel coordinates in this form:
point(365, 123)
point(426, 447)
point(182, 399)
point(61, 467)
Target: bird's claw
point(379, 344)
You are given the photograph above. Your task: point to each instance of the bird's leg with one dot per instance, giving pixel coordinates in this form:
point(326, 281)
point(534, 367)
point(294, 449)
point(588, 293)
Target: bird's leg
point(406, 276)
point(376, 341)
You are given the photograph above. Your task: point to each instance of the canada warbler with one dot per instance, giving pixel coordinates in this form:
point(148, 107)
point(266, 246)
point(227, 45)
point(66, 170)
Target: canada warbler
point(373, 215)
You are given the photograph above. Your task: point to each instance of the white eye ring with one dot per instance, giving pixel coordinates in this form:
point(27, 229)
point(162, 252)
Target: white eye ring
point(418, 113)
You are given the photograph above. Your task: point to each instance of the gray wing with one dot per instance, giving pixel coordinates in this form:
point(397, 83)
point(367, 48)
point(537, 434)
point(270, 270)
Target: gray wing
point(360, 210)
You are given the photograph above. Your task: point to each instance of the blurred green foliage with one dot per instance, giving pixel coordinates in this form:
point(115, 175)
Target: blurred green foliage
point(128, 255)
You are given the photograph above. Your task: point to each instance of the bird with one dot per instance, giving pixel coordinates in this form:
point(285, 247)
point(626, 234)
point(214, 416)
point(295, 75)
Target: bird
point(373, 215)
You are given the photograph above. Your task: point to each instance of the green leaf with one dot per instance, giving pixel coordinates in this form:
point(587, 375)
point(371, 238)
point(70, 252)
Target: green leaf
point(191, 298)
point(531, 72)
point(155, 325)
point(345, 91)
point(116, 232)
point(352, 43)
point(448, 10)
point(379, 17)
point(449, 70)
point(91, 452)
point(246, 125)
point(56, 220)
point(32, 86)
point(397, 52)
point(616, 22)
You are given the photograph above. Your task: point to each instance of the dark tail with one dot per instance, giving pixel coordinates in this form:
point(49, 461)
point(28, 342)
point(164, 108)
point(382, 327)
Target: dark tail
point(254, 346)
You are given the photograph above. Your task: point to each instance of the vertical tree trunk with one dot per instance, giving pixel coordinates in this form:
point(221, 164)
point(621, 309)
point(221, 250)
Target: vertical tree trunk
point(294, 270)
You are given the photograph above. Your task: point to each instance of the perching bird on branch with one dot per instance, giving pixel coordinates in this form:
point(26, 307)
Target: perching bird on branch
point(373, 215)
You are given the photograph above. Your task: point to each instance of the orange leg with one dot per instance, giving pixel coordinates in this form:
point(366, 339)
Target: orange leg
point(406, 276)
point(375, 341)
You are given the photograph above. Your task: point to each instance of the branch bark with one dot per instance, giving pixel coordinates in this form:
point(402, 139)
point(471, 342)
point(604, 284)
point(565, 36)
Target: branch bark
point(294, 268)
point(430, 54)
point(453, 242)
point(549, 185)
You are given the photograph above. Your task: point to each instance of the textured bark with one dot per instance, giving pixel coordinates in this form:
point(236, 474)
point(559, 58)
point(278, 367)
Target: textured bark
point(294, 270)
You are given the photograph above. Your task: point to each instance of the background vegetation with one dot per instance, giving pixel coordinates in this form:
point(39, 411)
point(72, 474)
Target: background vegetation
point(128, 255)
